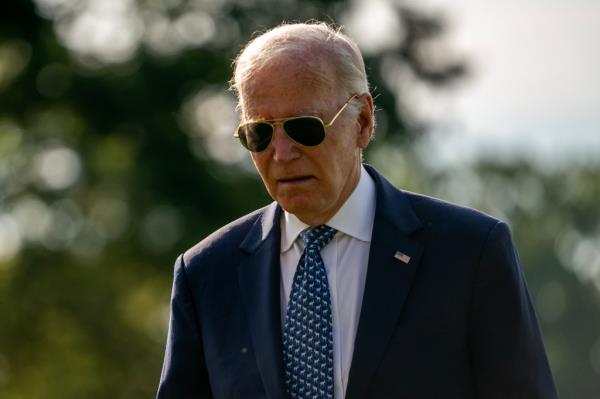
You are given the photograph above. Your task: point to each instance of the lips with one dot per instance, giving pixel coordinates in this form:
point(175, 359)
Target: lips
point(296, 179)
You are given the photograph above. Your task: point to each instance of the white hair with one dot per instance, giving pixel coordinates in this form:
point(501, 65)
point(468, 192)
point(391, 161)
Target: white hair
point(295, 40)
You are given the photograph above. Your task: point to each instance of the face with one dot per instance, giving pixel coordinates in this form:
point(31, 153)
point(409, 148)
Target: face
point(310, 182)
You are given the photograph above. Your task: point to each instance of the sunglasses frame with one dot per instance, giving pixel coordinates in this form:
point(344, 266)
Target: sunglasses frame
point(274, 122)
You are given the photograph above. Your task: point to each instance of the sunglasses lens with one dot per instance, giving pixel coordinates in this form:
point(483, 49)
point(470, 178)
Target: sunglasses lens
point(255, 136)
point(305, 130)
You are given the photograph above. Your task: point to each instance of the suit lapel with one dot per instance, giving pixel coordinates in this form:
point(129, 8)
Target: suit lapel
point(259, 277)
point(393, 261)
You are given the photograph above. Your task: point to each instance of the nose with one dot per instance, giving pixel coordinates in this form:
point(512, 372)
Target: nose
point(284, 148)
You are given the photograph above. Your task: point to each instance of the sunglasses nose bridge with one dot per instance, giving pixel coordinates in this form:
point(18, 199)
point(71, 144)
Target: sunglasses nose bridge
point(278, 130)
point(283, 146)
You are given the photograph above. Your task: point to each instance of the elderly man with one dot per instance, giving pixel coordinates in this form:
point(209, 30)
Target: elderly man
point(344, 287)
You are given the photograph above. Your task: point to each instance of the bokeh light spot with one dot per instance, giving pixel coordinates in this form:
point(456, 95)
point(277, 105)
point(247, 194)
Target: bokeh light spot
point(373, 37)
point(104, 31)
point(67, 221)
point(195, 28)
point(161, 228)
point(10, 238)
point(33, 216)
point(57, 168)
point(210, 117)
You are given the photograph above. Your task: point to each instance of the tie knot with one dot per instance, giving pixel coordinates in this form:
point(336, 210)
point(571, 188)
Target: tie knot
point(317, 237)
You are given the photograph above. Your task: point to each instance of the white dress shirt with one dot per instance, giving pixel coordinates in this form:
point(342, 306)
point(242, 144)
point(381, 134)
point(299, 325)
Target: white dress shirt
point(345, 259)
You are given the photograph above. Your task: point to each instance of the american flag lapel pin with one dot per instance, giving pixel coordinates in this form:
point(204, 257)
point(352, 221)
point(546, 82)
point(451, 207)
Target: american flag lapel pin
point(402, 257)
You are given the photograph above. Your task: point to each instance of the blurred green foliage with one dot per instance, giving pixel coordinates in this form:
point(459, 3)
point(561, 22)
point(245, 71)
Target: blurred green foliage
point(116, 154)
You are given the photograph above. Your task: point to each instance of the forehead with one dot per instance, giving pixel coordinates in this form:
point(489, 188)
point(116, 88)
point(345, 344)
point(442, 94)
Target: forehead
point(287, 86)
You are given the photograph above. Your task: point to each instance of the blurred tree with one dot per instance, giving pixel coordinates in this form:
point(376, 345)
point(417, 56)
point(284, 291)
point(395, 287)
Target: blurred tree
point(114, 117)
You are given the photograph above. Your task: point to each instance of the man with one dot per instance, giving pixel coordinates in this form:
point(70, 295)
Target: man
point(344, 287)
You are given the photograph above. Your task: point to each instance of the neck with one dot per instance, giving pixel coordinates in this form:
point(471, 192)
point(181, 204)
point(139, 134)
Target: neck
point(322, 218)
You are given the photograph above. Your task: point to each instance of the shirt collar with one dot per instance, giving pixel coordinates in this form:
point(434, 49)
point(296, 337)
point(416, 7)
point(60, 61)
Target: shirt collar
point(354, 218)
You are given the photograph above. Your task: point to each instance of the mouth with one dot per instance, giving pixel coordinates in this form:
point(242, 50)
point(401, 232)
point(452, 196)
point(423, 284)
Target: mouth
point(295, 180)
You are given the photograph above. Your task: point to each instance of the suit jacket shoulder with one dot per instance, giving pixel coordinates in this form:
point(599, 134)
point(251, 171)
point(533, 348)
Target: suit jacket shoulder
point(226, 241)
point(211, 267)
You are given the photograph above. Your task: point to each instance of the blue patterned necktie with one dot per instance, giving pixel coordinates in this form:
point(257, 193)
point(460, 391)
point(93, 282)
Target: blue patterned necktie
point(307, 335)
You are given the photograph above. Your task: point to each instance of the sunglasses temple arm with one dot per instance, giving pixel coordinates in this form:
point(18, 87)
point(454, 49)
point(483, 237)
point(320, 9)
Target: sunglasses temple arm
point(341, 110)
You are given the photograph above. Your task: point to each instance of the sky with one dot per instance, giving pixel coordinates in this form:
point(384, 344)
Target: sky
point(534, 88)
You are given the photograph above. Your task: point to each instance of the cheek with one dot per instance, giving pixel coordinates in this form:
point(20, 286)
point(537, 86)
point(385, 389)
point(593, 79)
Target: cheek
point(261, 166)
point(346, 152)
point(259, 161)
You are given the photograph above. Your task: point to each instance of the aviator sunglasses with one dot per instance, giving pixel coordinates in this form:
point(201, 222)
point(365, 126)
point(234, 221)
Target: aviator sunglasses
point(305, 130)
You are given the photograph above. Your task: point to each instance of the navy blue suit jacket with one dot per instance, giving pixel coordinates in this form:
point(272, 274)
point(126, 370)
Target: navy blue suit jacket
point(456, 321)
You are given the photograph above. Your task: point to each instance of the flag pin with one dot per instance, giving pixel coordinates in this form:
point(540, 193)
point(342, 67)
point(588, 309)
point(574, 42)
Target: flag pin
point(402, 257)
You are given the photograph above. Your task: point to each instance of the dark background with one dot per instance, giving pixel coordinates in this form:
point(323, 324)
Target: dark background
point(116, 154)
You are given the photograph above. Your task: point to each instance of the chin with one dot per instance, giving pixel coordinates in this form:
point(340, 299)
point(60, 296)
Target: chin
point(298, 207)
point(294, 207)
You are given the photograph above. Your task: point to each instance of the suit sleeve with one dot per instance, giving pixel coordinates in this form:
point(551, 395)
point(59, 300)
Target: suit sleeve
point(184, 374)
point(506, 347)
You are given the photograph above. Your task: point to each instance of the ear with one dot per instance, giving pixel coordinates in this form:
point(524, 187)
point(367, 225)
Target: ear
point(366, 120)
